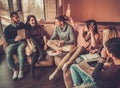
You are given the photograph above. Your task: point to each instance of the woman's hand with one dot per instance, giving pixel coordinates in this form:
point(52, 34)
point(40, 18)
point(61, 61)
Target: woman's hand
point(91, 27)
point(61, 43)
point(45, 47)
point(93, 51)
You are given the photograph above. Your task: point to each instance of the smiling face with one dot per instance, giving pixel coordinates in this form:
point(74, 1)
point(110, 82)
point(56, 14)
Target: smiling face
point(32, 21)
point(15, 19)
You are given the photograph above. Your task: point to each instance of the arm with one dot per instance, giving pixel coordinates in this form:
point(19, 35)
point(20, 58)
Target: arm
point(71, 36)
point(54, 34)
point(97, 73)
point(45, 41)
point(104, 53)
point(94, 37)
point(8, 37)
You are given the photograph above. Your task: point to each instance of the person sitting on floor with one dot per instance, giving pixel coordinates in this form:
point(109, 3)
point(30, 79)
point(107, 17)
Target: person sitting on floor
point(101, 78)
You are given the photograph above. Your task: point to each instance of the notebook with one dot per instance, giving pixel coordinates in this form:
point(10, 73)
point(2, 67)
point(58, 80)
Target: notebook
point(85, 67)
point(22, 33)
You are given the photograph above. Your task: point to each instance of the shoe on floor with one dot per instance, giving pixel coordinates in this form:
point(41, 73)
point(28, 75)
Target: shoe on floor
point(15, 75)
point(52, 76)
point(20, 75)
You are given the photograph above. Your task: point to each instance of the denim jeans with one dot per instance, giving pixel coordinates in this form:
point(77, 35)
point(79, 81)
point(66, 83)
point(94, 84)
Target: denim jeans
point(80, 78)
point(18, 47)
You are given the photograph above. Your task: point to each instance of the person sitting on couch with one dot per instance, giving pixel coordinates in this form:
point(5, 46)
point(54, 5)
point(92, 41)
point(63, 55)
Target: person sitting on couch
point(15, 44)
point(63, 38)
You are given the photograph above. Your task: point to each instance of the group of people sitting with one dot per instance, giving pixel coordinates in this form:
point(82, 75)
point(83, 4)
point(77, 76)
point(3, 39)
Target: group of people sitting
point(68, 42)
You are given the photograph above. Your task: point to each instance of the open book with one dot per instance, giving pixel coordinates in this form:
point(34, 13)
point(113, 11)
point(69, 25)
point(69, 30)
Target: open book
point(85, 67)
point(22, 33)
point(82, 62)
point(90, 57)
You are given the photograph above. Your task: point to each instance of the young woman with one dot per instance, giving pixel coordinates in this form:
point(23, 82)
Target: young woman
point(108, 32)
point(87, 39)
point(37, 38)
point(63, 38)
point(36, 34)
point(79, 77)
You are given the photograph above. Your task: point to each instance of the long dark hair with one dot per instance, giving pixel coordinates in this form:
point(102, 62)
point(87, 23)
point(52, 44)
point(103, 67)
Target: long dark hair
point(28, 26)
point(88, 23)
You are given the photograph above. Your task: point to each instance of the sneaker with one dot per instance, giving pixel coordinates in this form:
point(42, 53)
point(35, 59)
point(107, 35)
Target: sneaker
point(15, 74)
point(52, 76)
point(20, 75)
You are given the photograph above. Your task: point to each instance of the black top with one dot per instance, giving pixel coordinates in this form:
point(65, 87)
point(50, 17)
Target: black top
point(35, 31)
point(108, 78)
point(10, 32)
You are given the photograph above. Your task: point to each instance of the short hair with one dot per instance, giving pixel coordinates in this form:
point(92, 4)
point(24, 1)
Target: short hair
point(61, 18)
point(13, 13)
point(113, 46)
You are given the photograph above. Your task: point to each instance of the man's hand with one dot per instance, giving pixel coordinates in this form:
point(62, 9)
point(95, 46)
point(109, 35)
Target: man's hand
point(101, 61)
point(18, 38)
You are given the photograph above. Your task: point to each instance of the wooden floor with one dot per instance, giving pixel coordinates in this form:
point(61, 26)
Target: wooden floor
point(40, 81)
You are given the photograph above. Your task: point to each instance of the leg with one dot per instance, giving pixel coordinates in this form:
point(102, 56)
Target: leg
point(78, 75)
point(39, 48)
point(80, 50)
point(57, 60)
point(75, 76)
point(21, 57)
point(61, 63)
point(9, 56)
point(67, 78)
point(34, 58)
point(65, 59)
point(21, 54)
point(47, 62)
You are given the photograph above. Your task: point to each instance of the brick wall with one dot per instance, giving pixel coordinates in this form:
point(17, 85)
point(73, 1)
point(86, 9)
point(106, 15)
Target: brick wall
point(50, 10)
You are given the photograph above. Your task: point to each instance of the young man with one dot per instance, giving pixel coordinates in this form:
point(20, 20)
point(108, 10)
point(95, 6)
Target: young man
point(15, 44)
point(101, 78)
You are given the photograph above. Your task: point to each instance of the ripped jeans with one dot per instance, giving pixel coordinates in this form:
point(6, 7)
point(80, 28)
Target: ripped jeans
point(18, 47)
point(80, 78)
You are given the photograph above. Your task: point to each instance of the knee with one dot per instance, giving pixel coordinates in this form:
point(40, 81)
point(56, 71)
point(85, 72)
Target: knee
point(73, 66)
point(9, 51)
point(21, 47)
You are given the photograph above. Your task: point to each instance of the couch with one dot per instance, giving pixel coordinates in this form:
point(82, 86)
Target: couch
point(49, 30)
